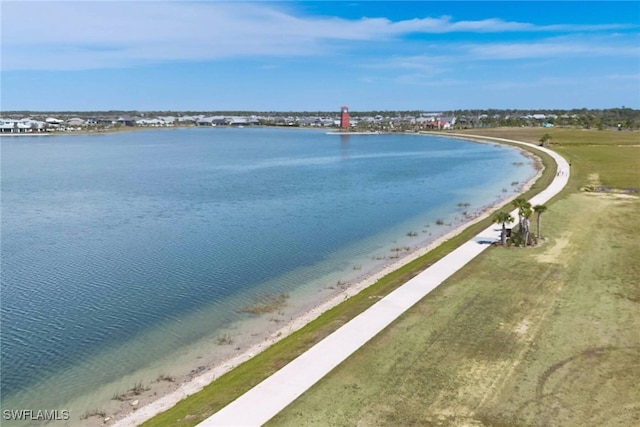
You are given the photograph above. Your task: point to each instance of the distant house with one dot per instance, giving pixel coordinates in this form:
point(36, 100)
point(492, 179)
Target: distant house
point(33, 125)
point(447, 122)
point(126, 120)
point(21, 126)
point(8, 126)
point(186, 120)
point(204, 121)
point(239, 121)
point(151, 122)
point(307, 121)
point(219, 121)
point(169, 120)
point(436, 122)
point(76, 121)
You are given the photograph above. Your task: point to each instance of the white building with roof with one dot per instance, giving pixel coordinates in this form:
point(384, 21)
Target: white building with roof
point(21, 126)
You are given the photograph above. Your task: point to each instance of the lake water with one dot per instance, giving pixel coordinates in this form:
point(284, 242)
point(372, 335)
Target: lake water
point(121, 250)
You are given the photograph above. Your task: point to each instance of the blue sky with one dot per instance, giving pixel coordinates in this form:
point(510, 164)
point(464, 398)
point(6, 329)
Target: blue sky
point(317, 56)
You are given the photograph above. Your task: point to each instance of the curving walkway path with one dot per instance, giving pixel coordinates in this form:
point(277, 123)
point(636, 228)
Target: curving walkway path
point(264, 401)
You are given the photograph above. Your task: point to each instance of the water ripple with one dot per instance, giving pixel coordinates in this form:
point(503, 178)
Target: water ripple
point(114, 254)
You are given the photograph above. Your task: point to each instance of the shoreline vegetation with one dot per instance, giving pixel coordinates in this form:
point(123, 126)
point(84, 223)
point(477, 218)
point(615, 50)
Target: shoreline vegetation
point(317, 322)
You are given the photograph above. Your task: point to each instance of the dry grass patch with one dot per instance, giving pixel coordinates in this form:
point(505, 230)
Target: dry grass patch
point(556, 251)
point(509, 340)
point(266, 304)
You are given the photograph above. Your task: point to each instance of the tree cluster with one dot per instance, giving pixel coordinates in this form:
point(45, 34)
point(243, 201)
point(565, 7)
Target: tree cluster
point(522, 236)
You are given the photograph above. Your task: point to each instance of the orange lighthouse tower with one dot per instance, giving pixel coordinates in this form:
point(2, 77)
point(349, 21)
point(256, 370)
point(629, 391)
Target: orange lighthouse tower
point(344, 117)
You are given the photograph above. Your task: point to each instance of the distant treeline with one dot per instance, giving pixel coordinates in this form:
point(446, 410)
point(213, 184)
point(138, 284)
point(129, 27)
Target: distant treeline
point(622, 117)
point(626, 118)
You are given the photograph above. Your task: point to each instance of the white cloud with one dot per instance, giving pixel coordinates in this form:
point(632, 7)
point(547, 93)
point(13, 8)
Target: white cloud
point(441, 58)
point(550, 49)
point(429, 80)
point(632, 77)
point(87, 35)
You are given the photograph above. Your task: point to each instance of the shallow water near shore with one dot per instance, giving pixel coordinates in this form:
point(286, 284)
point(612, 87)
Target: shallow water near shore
point(128, 256)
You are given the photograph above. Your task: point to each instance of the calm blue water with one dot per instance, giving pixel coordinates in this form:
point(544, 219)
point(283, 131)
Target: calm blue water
point(108, 238)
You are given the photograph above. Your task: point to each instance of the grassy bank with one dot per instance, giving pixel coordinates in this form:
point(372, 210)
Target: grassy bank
point(611, 155)
point(231, 385)
point(540, 336)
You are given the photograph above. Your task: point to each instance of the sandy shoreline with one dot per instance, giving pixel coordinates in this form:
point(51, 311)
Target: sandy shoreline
point(164, 395)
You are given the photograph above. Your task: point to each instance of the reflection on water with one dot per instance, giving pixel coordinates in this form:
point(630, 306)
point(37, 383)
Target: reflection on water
point(344, 145)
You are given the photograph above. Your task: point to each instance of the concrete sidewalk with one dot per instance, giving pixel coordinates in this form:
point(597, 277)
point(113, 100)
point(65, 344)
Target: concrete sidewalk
point(264, 401)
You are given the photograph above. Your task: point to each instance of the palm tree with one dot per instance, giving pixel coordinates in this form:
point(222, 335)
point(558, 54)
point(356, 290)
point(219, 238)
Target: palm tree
point(502, 217)
point(524, 212)
point(539, 210)
point(545, 138)
point(520, 203)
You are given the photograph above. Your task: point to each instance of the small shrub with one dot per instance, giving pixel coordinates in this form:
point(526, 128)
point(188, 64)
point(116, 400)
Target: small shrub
point(164, 377)
point(119, 396)
point(138, 388)
point(93, 413)
point(342, 285)
point(225, 339)
point(267, 304)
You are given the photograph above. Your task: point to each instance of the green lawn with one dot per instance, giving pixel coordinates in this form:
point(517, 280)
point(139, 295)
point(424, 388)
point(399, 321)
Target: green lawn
point(462, 336)
point(540, 336)
point(613, 156)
